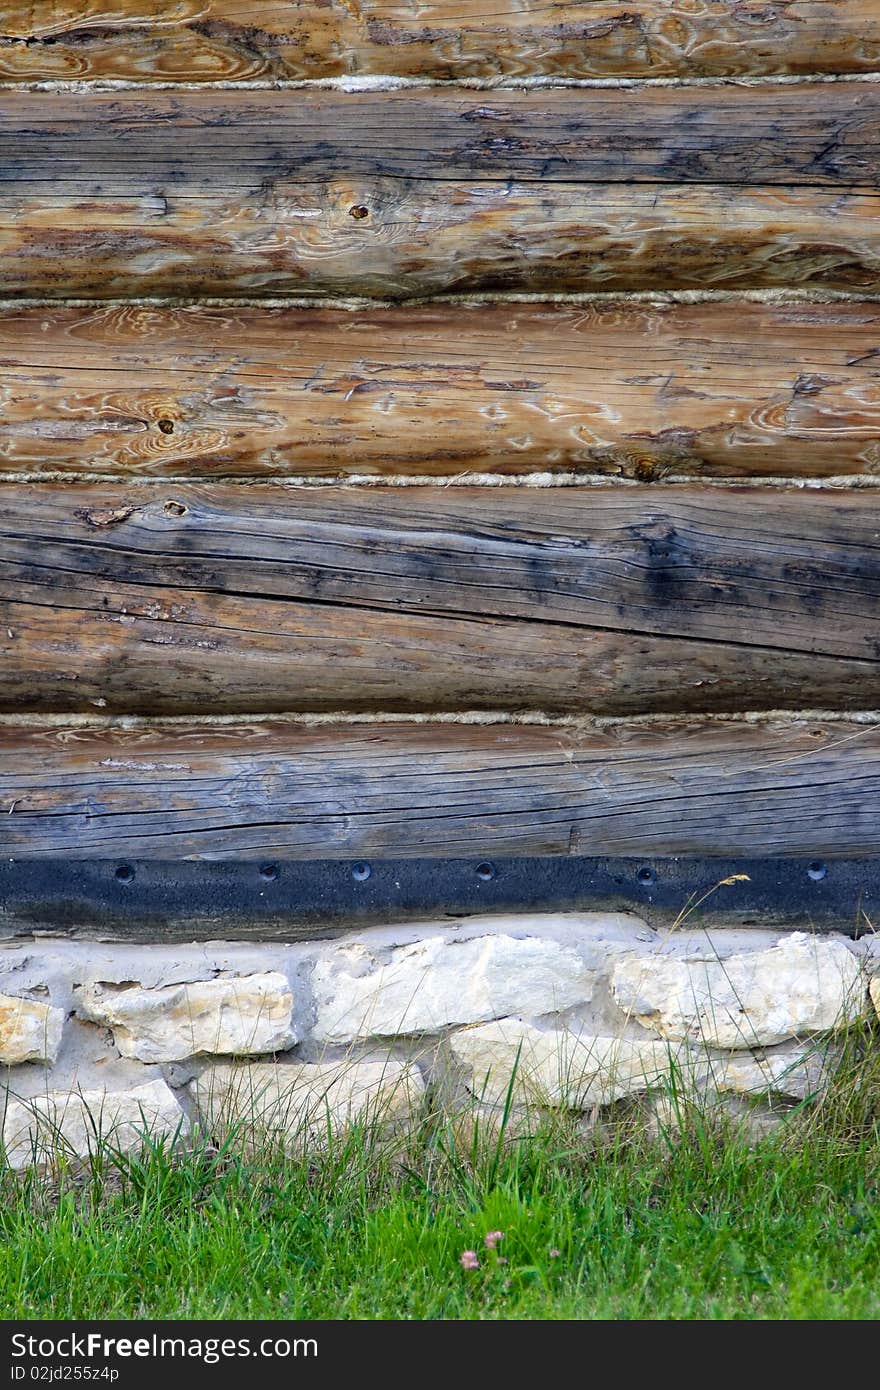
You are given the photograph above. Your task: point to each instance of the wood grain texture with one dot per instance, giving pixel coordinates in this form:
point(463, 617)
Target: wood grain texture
point(125, 144)
point(244, 791)
point(716, 389)
point(411, 192)
point(228, 40)
point(403, 238)
point(220, 599)
point(129, 143)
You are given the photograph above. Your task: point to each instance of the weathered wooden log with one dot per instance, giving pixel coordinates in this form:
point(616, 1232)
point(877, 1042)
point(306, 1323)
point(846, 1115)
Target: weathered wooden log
point(218, 599)
point(124, 144)
point(721, 389)
point(173, 654)
point(246, 791)
point(403, 238)
point(228, 40)
point(315, 192)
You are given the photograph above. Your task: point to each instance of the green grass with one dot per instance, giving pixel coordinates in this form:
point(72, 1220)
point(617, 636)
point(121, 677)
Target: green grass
point(696, 1226)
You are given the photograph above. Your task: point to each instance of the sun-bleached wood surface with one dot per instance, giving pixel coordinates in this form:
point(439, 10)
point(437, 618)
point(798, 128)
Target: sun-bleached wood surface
point(245, 791)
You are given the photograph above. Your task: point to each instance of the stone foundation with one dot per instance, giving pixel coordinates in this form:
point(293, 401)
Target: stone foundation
point(573, 1011)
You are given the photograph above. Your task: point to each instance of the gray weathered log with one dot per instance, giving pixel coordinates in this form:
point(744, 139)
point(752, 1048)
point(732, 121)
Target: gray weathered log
point(247, 791)
point(220, 598)
point(120, 144)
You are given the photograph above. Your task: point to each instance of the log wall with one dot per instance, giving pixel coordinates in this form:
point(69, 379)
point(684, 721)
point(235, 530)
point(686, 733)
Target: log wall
point(459, 366)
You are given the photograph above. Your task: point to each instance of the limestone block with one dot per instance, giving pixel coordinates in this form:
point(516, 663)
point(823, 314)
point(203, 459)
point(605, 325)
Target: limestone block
point(427, 985)
point(77, 1123)
point(306, 1104)
point(558, 1067)
point(793, 1074)
point(875, 993)
point(231, 1015)
point(804, 985)
point(30, 1031)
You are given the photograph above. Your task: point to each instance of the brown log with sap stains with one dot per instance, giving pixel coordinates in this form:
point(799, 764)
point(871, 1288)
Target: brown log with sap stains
point(228, 40)
point(124, 144)
point(399, 238)
point(721, 389)
point(244, 791)
point(219, 599)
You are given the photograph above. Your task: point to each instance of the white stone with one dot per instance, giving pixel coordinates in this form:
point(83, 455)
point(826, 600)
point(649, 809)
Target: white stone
point(231, 1015)
point(430, 984)
point(875, 993)
point(77, 1123)
point(793, 1074)
point(802, 986)
point(306, 1104)
point(30, 1031)
point(558, 1067)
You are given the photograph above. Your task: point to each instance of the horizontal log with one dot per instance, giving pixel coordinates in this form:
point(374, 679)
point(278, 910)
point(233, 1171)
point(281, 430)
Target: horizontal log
point(717, 389)
point(249, 791)
point(229, 40)
point(315, 192)
point(401, 238)
point(124, 144)
point(224, 599)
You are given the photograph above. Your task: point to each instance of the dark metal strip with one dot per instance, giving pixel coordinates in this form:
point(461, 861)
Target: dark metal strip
point(198, 900)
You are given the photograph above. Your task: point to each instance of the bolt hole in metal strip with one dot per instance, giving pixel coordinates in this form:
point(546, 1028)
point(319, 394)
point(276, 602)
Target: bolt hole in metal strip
point(202, 900)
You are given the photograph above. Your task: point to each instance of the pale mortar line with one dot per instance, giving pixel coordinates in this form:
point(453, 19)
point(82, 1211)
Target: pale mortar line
point(781, 295)
point(477, 718)
point(378, 82)
point(842, 482)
